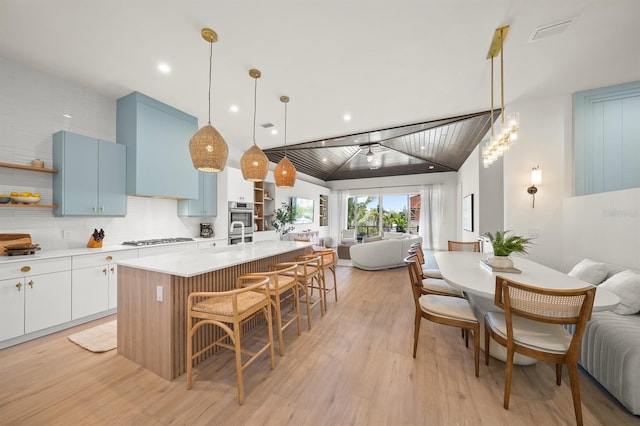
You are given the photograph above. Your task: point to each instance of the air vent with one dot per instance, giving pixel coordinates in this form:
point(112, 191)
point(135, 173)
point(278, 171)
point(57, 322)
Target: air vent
point(551, 29)
point(267, 125)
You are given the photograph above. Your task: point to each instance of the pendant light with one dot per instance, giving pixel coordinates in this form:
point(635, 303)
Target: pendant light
point(254, 163)
point(285, 172)
point(508, 134)
point(207, 147)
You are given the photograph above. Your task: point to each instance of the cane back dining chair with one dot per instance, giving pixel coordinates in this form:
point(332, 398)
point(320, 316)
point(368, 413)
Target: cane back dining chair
point(426, 271)
point(229, 310)
point(445, 310)
point(432, 285)
point(532, 324)
point(464, 246)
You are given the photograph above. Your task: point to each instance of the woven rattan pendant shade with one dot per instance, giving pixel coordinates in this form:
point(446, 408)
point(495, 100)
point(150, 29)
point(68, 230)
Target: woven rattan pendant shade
point(254, 164)
point(207, 147)
point(208, 150)
point(285, 173)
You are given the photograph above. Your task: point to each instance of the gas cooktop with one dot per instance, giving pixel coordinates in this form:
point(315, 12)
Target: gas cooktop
point(157, 241)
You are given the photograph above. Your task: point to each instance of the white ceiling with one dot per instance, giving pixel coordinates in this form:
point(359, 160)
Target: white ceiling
point(386, 62)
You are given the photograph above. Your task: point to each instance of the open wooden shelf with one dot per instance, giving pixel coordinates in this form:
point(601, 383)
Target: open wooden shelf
point(31, 168)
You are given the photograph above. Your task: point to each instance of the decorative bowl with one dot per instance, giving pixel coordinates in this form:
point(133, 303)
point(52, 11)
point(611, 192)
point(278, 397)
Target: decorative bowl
point(4, 200)
point(25, 200)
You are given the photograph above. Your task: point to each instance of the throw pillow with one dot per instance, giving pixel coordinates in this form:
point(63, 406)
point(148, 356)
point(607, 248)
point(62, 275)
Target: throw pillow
point(625, 285)
point(589, 271)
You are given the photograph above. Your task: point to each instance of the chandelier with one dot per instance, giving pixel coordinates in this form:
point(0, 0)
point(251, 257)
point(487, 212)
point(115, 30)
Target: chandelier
point(501, 140)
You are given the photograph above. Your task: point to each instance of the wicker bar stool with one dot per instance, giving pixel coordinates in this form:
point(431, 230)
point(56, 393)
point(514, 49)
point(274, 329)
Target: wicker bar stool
point(308, 277)
point(229, 310)
point(328, 263)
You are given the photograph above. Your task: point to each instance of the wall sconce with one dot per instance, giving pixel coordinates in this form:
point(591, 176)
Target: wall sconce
point(536, 179)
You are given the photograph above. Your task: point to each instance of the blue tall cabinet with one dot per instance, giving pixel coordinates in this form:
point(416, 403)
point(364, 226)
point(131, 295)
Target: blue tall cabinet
point(91, 176)
point(157, 139)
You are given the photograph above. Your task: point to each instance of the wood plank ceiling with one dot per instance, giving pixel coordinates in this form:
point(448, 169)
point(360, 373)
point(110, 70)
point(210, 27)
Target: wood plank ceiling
point(429, 147)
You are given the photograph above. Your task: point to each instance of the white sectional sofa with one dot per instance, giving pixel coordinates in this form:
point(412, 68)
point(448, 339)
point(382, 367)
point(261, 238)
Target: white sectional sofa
point(611, 342)
point(386, 252)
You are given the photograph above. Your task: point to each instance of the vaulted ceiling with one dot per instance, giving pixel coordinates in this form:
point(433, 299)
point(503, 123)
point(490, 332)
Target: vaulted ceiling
point(427, 147)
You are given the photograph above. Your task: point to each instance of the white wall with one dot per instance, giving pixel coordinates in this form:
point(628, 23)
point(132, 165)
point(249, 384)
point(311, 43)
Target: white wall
point(603, 226)
point(409, 184)
point(545, 130)
point(469, 183)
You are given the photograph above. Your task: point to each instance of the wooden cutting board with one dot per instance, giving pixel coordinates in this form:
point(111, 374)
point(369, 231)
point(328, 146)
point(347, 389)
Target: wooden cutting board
point(12, 240)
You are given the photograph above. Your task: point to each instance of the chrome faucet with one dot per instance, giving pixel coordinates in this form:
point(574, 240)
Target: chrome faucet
point(236, 222)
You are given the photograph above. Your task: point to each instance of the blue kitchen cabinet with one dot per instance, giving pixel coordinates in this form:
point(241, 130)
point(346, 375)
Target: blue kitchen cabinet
point(157, 139)
point(207, 202)
point(91, 178)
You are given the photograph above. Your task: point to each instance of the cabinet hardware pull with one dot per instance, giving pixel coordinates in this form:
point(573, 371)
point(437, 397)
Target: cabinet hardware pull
point(18, 286)
point(93, 208)
point(109, 258)
point(101, 208)
point(25, 269)
point(113, 269)
point(30, 284)
point(104, 271)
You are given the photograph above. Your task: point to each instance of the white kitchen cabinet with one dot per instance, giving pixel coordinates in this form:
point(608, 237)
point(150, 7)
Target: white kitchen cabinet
point(11, 308)
point(94, 282)
point(35, 295)
point(47, 300)
point(238, 189)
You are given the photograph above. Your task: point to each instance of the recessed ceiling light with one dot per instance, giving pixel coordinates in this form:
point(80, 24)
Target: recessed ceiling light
point(66, 116)
point(432, 167)
point(347, 117)
point(164, 68)
point(234, 108)
point(422, 147)
point(274, 131)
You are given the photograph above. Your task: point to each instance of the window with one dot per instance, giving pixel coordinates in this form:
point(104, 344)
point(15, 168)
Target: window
point(372, 214)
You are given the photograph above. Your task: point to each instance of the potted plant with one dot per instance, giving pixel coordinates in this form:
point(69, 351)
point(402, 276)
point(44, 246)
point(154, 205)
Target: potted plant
point(283, 218)
point(504, 245)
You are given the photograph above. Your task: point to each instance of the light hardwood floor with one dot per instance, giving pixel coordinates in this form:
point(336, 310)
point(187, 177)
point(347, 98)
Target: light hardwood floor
point(353, 368)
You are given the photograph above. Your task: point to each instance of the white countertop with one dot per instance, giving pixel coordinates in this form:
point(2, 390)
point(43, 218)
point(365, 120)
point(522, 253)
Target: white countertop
point(464, 271)
point(52, 254)
point(189, 263)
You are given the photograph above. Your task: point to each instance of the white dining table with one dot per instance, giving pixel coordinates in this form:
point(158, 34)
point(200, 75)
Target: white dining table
point(465, 271)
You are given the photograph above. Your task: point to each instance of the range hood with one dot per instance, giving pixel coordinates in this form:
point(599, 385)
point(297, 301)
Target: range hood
point(157, 139)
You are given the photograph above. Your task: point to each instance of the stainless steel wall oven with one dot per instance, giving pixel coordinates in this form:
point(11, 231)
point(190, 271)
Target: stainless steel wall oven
point(240, 213)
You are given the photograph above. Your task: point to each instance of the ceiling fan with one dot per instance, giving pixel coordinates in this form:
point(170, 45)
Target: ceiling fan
point(373, 158)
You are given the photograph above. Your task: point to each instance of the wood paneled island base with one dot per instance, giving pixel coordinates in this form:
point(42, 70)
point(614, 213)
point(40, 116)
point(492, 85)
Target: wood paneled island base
point(152, 332)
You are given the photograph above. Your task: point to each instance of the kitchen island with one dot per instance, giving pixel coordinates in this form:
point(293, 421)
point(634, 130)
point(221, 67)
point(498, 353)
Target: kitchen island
point(153, 292)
